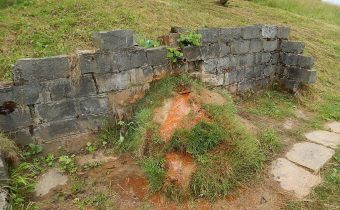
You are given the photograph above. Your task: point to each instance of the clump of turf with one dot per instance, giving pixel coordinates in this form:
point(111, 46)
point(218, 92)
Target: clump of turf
point(8, 149)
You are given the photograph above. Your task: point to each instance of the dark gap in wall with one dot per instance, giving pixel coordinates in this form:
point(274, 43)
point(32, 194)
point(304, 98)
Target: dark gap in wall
point(95, 82)
point(8, 107)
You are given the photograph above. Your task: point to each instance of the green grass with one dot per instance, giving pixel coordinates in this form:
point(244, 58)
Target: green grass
point(309, 8)
point(153, 168)
point(273, 104)
point(269, 141)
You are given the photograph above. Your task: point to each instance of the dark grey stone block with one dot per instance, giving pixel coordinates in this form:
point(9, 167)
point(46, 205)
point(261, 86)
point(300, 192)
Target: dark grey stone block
point(269, 70)
point(22, 137)
point(97, 62)
point(209, 35)
point(290, 85)
point(274, 59)
point(292, 47)
point(32, 70)
point(94, 106)
point(6, 94)
point(256, 45)
point(111, 82)
point(240, 47)
point(129, 59)
point(58, 129)
point(210, 51)
point(245, 86)
point(20, 118)
point(270, 45)
point(26, 94)
point(306, 76)
point(192, 53)
point(224, 50)
point(234, 76)
point(269, 32)
point(229, 34)
point(210, 66)
point(157, 56)
point(265, 57)
point(246, 60)
point(289, 59)
point(140, 76)
point(113, 40)
point(57, 111)
point(251, 32)
point(305, 61)
point(283, 32)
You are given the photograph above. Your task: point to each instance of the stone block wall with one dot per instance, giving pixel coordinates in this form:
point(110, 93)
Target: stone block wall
point(57, 97)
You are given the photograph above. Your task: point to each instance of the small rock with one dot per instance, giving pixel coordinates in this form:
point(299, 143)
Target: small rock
point(98, 157)
point(325, 138)
point(300, 114)
point(294, 178)
point(3, 200)
point(333, 126)
point(310, 155)
point(288, 124)
point(48, 181)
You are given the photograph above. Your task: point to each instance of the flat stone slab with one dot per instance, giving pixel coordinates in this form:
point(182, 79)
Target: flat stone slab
point(97, 157)
point(3, 200)
point(48, 181)
point(325, 138)
point(293, 178)
point(310, 155)
point(333, 126)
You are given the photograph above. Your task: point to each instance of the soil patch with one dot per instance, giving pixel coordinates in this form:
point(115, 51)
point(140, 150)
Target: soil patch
point(180, 168)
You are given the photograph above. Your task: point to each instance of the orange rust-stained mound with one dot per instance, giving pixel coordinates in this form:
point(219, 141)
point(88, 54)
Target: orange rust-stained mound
point(180, 167)
point(184, 111)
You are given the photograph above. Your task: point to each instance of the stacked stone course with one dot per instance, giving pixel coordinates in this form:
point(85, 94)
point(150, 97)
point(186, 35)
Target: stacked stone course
point(62, 96)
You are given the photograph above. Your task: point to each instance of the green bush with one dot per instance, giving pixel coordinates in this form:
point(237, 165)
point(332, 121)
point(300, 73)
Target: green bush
point(190, 39)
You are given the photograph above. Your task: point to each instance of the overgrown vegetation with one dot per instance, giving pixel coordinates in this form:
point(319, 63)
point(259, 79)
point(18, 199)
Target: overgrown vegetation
point(174, 55)
point(190, 39)
point(8, 149)
point(225, 154)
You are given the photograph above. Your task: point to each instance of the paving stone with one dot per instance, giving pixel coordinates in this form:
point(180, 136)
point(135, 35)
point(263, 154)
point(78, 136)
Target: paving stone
point(325, 138)
point(293, 178)
point(310, 155)
point(333, 126)
point(48, 181)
